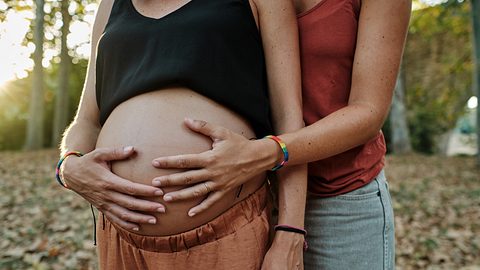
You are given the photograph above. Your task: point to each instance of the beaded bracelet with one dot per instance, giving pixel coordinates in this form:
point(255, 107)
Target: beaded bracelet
point(283, 146)
point(59, 164)
point(288, 228)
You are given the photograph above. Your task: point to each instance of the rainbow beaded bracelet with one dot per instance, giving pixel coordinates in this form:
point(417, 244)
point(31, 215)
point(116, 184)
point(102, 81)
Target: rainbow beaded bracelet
point(283, 146)
point(59, 164)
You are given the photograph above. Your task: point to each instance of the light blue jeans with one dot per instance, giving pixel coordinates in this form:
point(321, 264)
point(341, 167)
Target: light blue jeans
point(353, 231)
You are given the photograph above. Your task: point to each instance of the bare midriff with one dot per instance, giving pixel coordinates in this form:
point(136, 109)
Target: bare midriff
point(153, 123)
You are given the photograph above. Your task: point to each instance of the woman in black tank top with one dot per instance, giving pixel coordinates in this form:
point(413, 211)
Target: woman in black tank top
point(153, 62)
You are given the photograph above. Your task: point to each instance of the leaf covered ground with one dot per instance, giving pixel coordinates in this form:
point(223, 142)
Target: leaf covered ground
point(436, 202)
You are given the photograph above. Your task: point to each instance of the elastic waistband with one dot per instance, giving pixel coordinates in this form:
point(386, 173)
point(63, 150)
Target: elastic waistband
point(228, 222)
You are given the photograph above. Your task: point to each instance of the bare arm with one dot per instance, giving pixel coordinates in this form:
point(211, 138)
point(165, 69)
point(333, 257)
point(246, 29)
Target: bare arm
point(90, 175)
point(381, 37)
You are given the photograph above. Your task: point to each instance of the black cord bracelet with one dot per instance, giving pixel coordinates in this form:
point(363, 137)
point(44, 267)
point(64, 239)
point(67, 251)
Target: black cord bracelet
point(288, 228)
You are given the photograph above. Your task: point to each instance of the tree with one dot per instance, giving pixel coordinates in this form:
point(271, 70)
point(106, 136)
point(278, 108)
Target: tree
point(398, 119)
point(35, 136)
point(61, 102)
point(476, 60)
point(438, 71)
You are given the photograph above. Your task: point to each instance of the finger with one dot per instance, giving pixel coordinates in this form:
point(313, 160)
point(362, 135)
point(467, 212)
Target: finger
point(116, 183)
point(213, 131)
point(207, 203)
point(196, 191)
point(124, 224)
point(132, 203)
point(188, 161)
point(118, 153)
point(131, 216)
point(181, 179)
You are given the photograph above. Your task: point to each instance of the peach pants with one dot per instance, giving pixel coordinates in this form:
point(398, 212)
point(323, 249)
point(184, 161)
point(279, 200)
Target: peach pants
point(237, 239)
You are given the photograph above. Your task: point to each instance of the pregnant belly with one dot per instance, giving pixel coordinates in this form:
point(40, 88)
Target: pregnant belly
point(153, 124)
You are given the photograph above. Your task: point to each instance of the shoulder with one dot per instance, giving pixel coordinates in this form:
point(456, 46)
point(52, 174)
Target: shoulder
point(384, 3)
point(101, 17)
point(271, 5)
point(104, 8)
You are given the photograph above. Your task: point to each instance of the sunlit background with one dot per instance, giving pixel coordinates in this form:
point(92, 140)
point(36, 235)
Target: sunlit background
point(15, 54)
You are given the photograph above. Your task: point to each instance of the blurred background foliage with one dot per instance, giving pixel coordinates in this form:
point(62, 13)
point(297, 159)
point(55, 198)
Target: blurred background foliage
point(438, 71)
point(438, 231)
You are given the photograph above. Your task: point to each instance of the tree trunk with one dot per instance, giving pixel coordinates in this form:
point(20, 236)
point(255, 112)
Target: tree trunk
point(34, 138)
point(398, 119)
point(62, 97)
point(476, 60)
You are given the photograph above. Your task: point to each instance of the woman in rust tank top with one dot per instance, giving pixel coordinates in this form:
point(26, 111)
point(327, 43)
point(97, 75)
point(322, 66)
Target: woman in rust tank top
point(154, 63)
point(350, 55)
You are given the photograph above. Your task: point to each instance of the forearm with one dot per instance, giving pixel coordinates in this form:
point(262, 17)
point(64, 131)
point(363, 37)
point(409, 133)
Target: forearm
point(292, 180)
point(292, 194)
point(80, 136)
point(340, 131)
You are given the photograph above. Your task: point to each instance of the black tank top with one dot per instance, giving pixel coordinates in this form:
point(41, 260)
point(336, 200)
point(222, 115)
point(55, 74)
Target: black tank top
point(210, 46)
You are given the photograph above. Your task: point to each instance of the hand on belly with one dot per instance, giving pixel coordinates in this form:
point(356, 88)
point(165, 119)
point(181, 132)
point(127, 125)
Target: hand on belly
point(153, 124)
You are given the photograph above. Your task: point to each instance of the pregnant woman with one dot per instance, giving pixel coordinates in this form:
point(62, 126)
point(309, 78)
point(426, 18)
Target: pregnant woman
point(153, 64)
point(350, 53)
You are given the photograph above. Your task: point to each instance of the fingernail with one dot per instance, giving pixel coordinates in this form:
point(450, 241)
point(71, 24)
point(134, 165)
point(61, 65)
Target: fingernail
point(188, 119)
point(156, 163)
point(167, 198)
point(135, 229)
point(159, 192)
point(191, 213)
point(127, 149)
point(156, 182)
point(161, 210)
point(152, 221)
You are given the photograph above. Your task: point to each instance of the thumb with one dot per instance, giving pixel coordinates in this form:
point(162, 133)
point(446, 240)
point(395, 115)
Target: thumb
point(117, 153)
point(213, 131)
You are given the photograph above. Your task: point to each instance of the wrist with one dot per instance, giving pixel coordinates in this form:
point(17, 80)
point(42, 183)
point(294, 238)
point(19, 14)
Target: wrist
point(66, 168)
point(272, 154)
point(289, 240)
point(291, 234)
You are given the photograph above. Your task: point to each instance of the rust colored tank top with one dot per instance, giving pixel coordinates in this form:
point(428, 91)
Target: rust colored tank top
point(328, 35)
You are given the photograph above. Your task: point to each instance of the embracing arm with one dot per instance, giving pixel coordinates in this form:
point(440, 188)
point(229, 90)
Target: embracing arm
point(380, 41)
point(381, 37)
point(90, 175)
